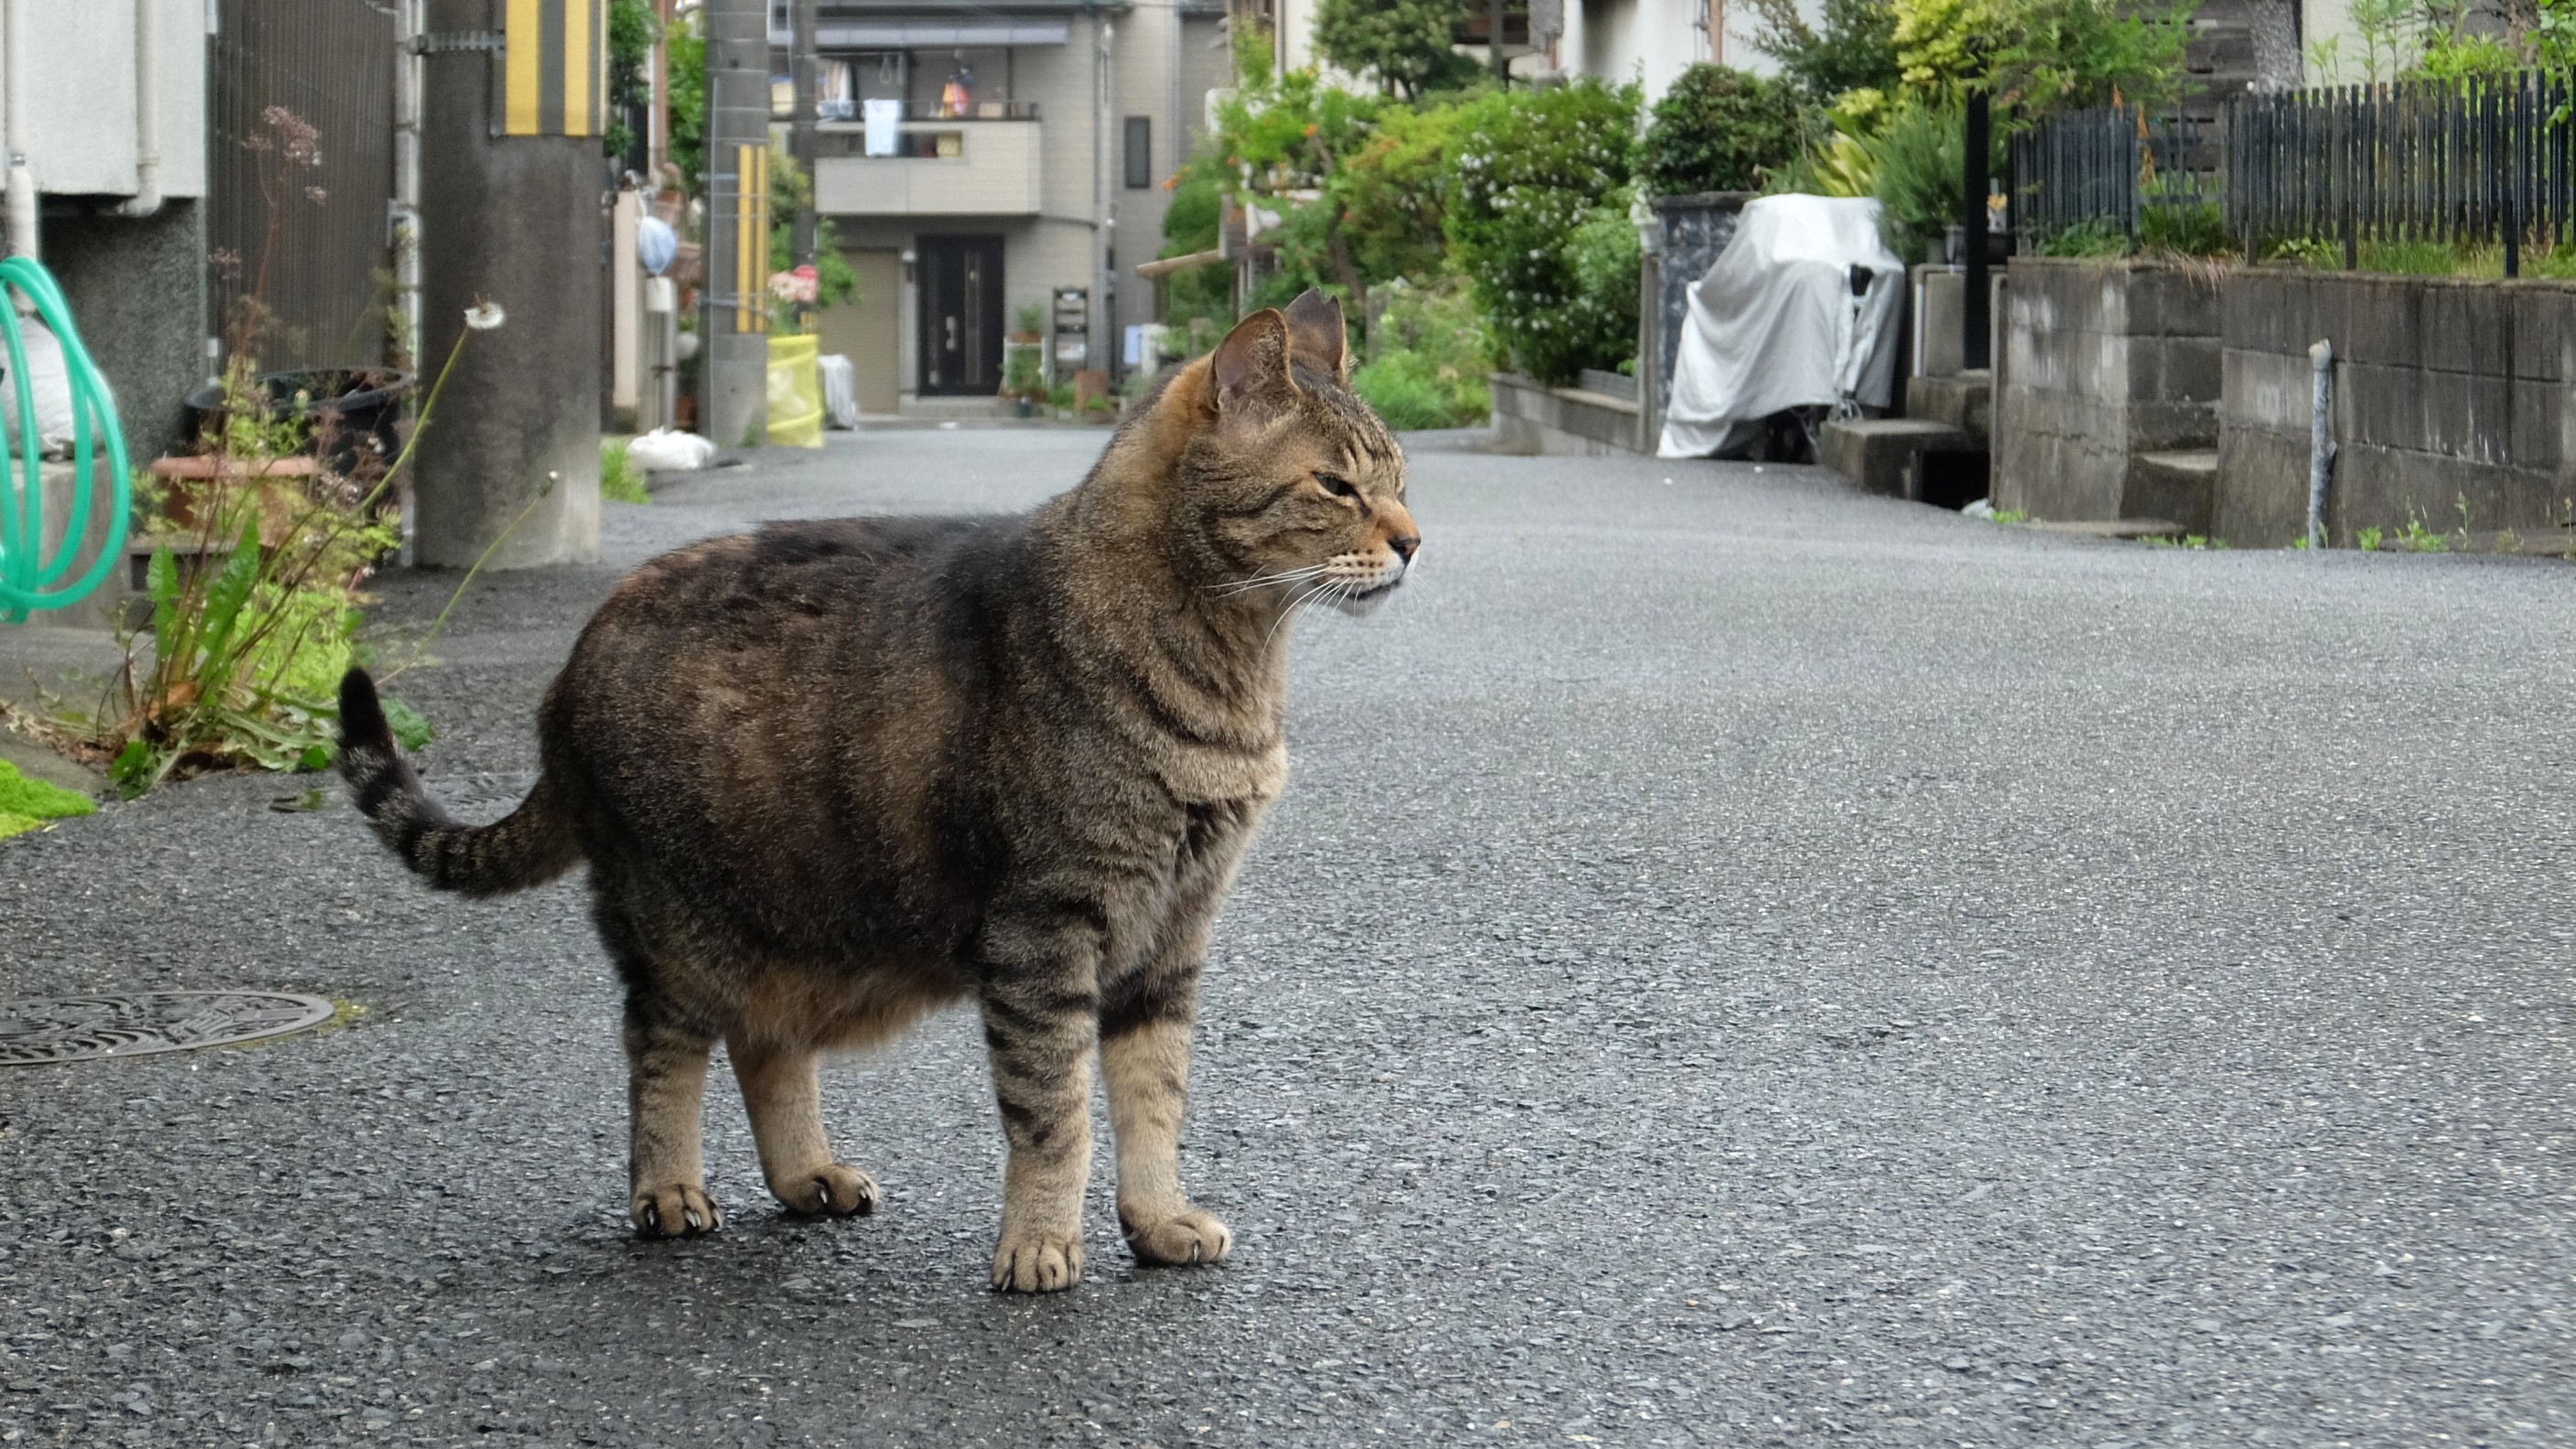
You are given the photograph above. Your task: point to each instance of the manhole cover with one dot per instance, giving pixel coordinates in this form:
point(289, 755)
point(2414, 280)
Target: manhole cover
point(73, 1028)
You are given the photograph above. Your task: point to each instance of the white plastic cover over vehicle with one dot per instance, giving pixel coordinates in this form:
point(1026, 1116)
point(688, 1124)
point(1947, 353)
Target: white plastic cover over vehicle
point(1774, 324)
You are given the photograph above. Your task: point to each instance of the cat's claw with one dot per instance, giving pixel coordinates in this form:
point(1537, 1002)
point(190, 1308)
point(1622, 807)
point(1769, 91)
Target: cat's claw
point(1188, 1236)
point(834, 1190)
point(673, 1210)
point(1037, 1262)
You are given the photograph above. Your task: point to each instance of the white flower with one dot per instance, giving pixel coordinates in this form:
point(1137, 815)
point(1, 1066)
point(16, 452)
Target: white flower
point(484, 316)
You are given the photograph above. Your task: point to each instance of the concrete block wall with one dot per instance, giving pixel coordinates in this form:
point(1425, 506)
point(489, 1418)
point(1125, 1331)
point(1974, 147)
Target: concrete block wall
point(2451, 403)
point(1694, 230)
point(2101, 362)
point(1534, 420)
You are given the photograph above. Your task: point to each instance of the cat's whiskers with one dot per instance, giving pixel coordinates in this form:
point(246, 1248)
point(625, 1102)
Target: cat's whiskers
point(1263, 581)
point(1311, 593)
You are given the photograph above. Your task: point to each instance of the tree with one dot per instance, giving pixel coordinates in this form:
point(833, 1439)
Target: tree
point(1719, 130)
point(1855, 51)
point(1404, 43)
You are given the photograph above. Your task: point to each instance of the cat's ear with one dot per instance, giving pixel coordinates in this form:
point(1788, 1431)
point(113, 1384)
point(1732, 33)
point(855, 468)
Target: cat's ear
point(1250, 369)
point(1315, 334)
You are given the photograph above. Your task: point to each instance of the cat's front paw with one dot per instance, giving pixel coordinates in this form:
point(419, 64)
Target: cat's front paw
point(1188, 1236)
point(673, 1210)
point(834, 1190)
point(1037, 1262)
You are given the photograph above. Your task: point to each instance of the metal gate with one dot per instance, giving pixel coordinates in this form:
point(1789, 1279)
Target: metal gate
point(310, 245)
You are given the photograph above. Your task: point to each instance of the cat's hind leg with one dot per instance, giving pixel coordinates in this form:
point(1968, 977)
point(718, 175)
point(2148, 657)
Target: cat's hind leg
point(667, 1045)
point(784, 1096)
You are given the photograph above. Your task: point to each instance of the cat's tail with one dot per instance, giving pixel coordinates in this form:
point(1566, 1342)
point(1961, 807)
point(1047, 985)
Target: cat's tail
point(530, 846)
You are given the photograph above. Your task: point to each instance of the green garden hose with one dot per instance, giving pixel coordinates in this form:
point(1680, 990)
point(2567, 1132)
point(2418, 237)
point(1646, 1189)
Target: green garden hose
point(30, 577)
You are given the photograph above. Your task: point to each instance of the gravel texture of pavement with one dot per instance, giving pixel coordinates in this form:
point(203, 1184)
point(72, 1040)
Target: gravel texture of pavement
point(1738, 962)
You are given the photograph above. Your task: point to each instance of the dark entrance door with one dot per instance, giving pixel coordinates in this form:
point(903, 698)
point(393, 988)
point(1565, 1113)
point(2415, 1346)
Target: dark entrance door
point(961, 315)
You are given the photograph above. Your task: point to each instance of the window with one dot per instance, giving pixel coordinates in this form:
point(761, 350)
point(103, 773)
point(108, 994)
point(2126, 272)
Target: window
point(1140, 152)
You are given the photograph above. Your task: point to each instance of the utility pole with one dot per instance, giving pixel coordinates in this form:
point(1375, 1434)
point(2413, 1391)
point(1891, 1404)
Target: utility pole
point(511, 182)
point(733, 360)
point(808, 67)
point(1976, 341)
point(1494, 43)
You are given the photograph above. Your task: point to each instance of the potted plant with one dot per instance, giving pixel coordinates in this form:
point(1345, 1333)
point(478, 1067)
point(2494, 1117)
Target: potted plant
point(1023, 361)
point(1023, 380)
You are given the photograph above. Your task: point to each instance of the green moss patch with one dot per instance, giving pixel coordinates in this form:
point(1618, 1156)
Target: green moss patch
point(26, 804)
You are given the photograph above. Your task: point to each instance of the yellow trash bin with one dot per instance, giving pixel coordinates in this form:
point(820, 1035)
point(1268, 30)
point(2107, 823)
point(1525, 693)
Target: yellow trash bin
point(795, 392)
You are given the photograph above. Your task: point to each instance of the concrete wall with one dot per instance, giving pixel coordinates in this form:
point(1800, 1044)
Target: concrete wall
point(2449, 394)
point(81, 82)
point(137, 290)
point(2101, 362)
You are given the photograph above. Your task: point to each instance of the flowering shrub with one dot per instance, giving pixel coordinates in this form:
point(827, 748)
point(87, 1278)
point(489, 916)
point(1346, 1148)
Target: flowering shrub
point(1538, 178)
point(1427, 359)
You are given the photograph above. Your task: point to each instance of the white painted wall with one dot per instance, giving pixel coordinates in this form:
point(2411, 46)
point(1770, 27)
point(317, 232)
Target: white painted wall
point(1616, 41)
point(2330, 22)
point(81, 73)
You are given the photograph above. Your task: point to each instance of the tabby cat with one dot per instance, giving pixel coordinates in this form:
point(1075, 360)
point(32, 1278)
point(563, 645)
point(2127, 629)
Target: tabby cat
point(831, 776)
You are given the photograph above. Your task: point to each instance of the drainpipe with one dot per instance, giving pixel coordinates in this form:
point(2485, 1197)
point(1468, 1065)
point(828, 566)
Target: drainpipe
point(1105, 281)
point(2321, 445)
point(147, 113)
point(406, 205)
point(22, 181)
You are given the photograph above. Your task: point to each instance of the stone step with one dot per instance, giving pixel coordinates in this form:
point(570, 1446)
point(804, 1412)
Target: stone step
point(2182, 486)
point(1965, 401)
point(1876, 454)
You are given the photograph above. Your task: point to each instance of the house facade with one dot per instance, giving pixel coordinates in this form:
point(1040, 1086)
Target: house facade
point(1646, 41)
point(984, 157)
point(106, 114)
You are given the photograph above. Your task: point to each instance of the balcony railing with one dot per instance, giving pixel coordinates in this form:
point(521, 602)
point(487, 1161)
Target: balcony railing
point(848, 112)
point(940, 167)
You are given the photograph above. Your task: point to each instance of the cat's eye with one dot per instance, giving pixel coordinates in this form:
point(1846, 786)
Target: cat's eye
point(1338, 487)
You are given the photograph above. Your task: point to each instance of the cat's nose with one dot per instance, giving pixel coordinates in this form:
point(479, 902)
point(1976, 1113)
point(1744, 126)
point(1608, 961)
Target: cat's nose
point(1404, 545)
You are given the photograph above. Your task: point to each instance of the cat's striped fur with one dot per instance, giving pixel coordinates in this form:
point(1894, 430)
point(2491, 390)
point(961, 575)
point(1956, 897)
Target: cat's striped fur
point(831, 776)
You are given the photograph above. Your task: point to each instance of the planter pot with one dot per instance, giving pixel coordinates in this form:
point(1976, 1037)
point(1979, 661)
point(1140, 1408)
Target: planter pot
point(358, 407)
point(192, 486)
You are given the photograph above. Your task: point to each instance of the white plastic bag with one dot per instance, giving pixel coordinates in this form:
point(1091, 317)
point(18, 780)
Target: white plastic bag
point(664, 451)
point(52, 382)
point(840, 392)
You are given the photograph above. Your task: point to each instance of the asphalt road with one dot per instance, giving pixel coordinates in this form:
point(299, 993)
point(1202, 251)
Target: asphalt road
point(1738, 962)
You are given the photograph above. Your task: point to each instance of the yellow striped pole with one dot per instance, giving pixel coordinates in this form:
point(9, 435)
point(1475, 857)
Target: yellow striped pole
point(554, 66)
point(751, 239)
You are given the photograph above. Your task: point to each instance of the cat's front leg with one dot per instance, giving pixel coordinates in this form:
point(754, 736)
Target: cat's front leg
point(1041, 1023)
point(1145, 1056)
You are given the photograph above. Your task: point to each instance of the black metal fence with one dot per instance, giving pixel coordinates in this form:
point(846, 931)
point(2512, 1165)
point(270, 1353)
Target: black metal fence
point(2110, 167)
point(2474, 162)
point(2479, 161)
point(313, 240)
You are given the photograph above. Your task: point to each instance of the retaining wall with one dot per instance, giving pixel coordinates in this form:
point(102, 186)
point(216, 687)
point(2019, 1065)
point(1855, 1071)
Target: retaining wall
point(2450, 395)
point(2103, 362)
point(1532, 419)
